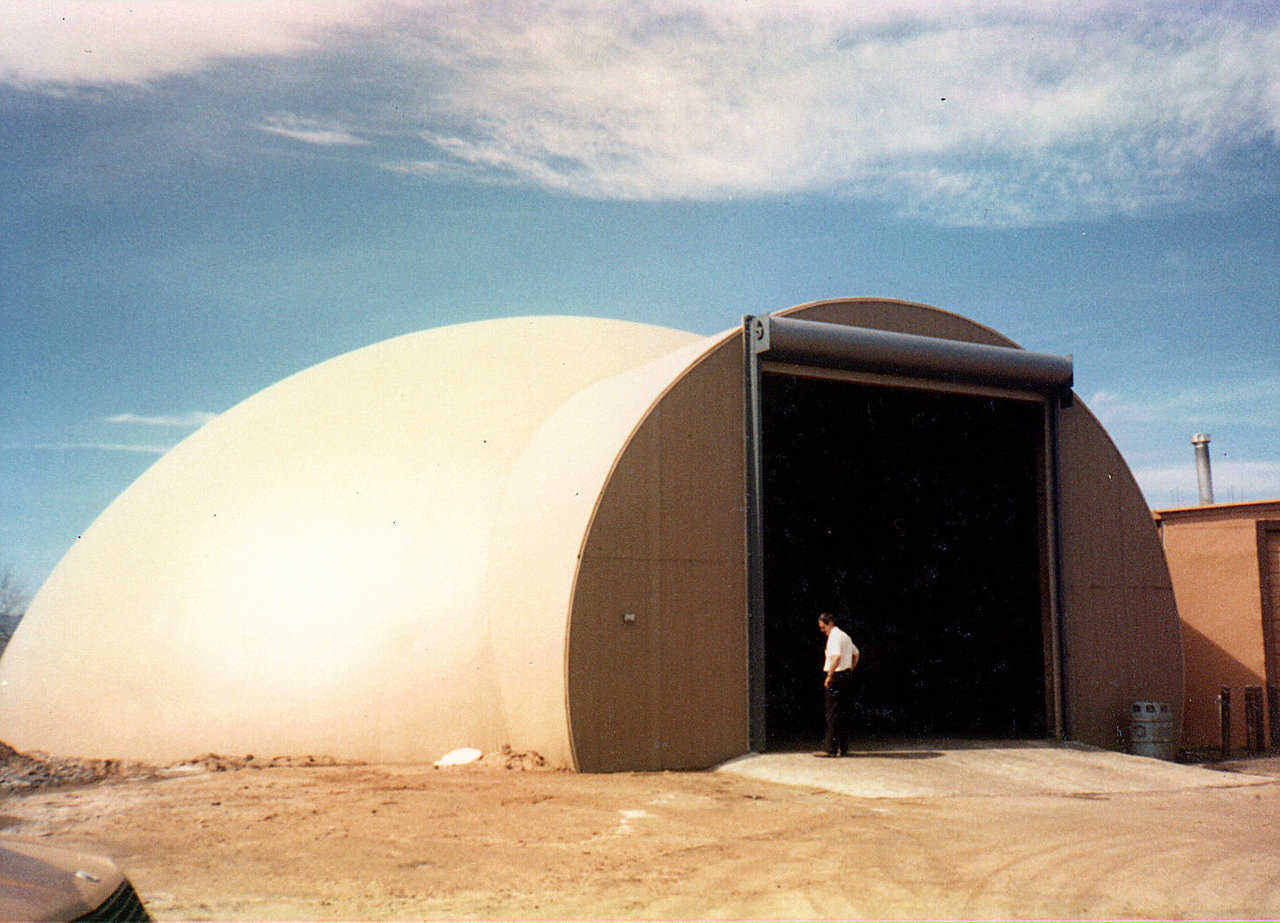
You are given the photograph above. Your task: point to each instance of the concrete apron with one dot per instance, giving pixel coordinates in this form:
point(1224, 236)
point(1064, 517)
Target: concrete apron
point(950, 768)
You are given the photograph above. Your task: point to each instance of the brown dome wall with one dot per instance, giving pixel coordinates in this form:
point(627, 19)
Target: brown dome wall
point(1121, 635)
point(666, 545)
point(667, 690)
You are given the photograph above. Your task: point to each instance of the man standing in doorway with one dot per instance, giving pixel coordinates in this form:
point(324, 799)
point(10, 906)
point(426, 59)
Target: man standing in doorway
point(840, 659)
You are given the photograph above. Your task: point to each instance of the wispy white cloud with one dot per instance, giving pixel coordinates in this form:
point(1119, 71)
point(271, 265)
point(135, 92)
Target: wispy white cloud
point(1175, 485)
point(990, 113)
point(109, 42)
point(135, 448)
point(973, 112)
point(1249, 402)
point(189, 419)
point(310, 131)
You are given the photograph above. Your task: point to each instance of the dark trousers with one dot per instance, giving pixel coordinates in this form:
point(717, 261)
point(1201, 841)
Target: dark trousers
point(839, 702)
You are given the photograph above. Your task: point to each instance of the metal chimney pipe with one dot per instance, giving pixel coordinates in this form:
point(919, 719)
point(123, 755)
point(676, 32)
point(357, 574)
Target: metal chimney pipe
point(1204, 478)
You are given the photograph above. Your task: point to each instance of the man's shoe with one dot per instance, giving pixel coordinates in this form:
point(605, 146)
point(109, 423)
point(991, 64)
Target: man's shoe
point(823, 754)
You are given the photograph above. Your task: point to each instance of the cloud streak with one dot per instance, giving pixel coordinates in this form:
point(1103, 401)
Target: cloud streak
point(310, 131)
point(1250, 402)
point(988, 112)
point(190, 419)
point(1233, 481)
point(133, 448)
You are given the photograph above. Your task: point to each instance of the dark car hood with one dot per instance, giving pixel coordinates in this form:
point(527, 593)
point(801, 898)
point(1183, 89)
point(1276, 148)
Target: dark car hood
point(40, 882)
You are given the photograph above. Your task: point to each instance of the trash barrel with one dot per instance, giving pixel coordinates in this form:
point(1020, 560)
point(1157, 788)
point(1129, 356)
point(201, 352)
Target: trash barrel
point(1151, 730)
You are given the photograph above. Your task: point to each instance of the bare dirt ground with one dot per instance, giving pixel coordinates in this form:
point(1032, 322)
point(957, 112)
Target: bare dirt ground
point(311, 839)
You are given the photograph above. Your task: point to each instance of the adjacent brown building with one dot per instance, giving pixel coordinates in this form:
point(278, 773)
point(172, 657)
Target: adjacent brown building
point(1225, 563)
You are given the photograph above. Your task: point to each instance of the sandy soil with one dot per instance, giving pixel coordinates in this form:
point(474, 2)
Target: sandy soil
point(302, 841)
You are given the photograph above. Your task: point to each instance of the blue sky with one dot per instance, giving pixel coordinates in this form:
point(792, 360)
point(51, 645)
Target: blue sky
point(201, 198)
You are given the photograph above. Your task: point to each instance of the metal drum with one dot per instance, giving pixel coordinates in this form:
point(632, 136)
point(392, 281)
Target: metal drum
point(1151, 730)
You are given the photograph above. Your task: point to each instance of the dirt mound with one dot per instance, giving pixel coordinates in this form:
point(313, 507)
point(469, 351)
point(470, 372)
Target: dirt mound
point(20, 772)
point(216, 762)
point(27, 772)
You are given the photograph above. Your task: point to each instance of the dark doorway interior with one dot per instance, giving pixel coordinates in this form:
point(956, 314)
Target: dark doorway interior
point(915, 518)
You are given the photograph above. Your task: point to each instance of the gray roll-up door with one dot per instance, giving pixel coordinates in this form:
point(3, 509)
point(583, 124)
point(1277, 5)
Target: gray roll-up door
point(781, 342)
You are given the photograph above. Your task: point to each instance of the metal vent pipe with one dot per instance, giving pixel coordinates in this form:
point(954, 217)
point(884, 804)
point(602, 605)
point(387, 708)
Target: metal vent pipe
point(1204, 477)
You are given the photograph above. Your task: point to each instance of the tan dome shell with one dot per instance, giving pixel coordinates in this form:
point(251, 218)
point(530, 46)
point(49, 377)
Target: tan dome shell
point(306, 573)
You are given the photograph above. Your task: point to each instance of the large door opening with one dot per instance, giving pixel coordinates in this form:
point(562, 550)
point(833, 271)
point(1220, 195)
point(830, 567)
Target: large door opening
point(918, 518)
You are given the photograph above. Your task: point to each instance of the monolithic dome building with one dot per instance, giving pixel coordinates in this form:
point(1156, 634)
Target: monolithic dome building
point(608, 543)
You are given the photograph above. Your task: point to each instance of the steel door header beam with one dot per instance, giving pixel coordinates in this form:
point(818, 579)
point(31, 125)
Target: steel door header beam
point(806, 342)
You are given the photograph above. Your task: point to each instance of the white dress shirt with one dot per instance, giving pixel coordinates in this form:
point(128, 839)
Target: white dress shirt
point(840, 651)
